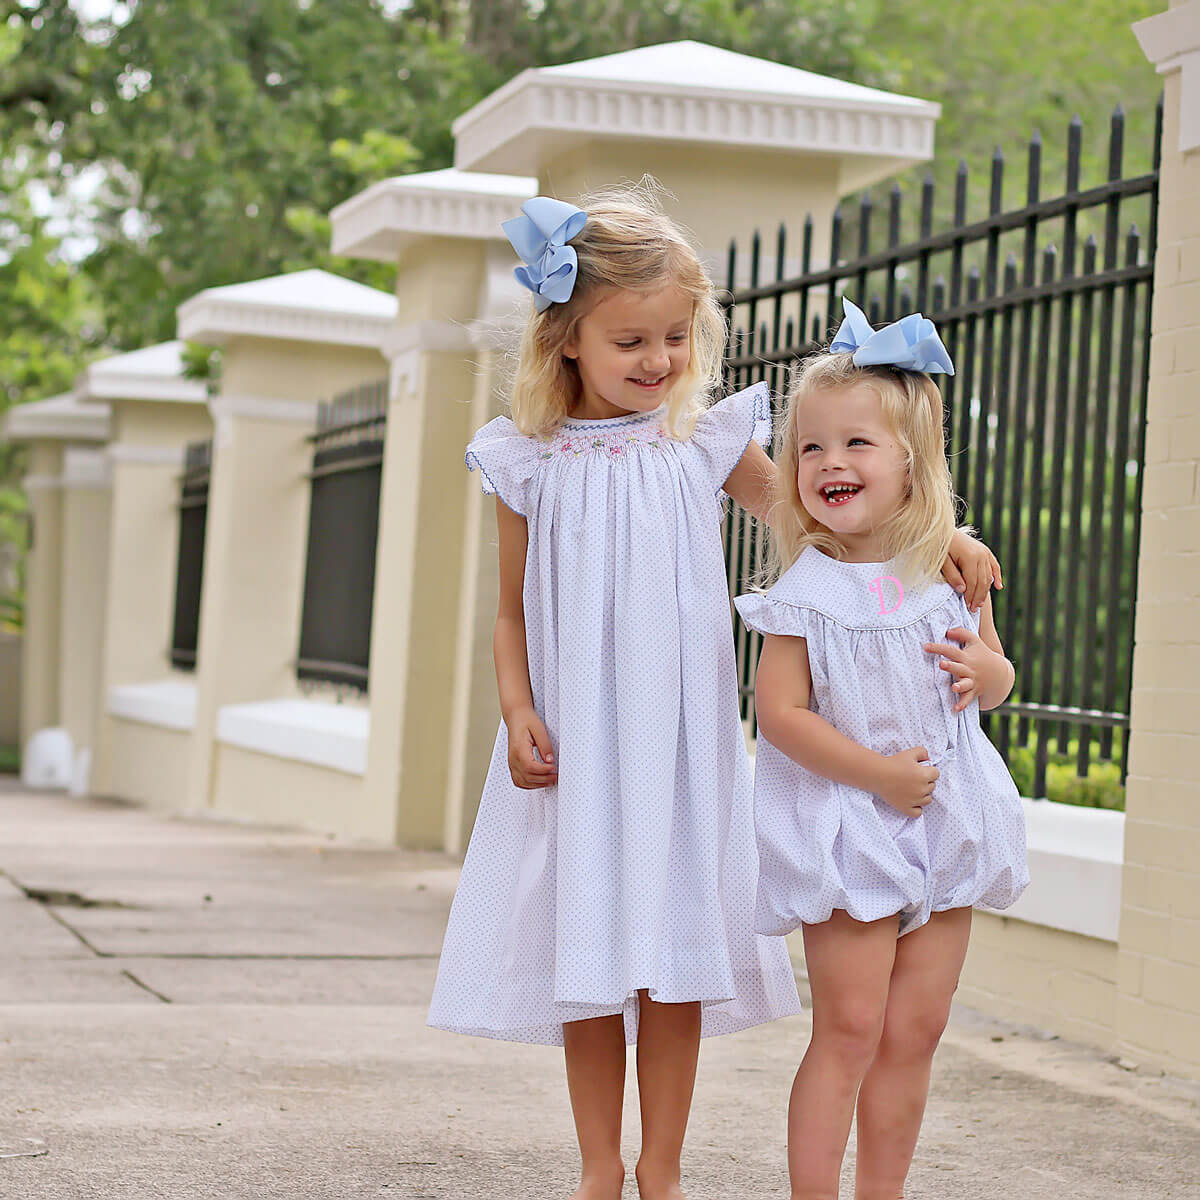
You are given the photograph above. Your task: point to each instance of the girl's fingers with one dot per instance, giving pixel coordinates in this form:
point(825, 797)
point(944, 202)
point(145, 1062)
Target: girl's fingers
point(946, 651)
point(953, 575)
point(956, 668)
point(997, 574)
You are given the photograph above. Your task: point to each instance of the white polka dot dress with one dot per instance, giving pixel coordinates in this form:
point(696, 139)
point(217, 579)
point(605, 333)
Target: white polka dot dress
point(638, 868)
point(825, 845)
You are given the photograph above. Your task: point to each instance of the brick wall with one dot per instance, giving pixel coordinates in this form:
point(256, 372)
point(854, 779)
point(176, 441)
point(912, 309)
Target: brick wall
point(1158, 975)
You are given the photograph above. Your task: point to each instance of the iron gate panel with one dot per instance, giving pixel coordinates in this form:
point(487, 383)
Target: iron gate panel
point(189, 565)
point(339, 581)
point(1044, 418)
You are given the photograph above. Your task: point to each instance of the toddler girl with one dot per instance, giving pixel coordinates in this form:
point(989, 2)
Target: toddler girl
point(883, 812)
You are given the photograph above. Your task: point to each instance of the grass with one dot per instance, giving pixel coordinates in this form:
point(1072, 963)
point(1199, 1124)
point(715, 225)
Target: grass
point(10, 760)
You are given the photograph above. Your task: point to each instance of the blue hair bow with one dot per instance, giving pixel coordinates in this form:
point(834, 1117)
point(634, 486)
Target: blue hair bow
point(540, 238)
point(911, 342)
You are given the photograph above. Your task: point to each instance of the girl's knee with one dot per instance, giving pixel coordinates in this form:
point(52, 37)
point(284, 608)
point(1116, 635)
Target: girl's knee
point(914, 1035)
point(851, 1031)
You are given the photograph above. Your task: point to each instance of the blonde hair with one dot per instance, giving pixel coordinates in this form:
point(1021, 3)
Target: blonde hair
point(918, 534)
point(630, 244)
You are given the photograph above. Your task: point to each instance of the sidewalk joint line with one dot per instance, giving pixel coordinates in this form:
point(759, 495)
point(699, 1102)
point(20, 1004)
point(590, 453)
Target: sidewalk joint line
point(146, 987)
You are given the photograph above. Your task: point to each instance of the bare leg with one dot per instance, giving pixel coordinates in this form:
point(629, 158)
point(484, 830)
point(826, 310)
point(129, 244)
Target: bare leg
point(849, 964)
point(668, 1049)
point(891, 1102)
point(595, 1053)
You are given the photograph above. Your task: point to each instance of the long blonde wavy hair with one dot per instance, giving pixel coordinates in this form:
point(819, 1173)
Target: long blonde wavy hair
point(918, 534)
point(628, 244)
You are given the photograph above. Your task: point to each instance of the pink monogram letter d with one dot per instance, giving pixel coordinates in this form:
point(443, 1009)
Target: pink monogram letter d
point(877, 586)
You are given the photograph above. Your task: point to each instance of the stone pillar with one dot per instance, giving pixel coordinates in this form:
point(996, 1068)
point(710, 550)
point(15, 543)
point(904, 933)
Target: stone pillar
point(155, 412)
point(86, 498)
point(741, 142)
point(40, 665)
point(433, 695)
point(1158, 1002)
point(289, 342)
point(67, 495)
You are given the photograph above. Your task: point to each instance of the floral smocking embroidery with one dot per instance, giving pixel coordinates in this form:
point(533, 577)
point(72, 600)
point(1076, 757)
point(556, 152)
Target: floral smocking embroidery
point(613, 442)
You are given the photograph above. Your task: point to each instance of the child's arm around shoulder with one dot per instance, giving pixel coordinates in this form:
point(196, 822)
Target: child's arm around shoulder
point(752, 481)
point(971, 569)
point(977, 662)
point(526, 730)
point(782, 691)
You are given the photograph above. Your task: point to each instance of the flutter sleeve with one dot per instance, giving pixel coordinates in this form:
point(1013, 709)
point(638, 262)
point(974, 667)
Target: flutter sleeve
point(506, 460)
point(764, 613)
point(723, 432)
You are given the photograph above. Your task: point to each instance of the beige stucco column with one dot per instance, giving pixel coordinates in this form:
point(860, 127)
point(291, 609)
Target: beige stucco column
point(289, 343)
point(431, 681)
point(67, 490)
point(155, 413)
point(43, 591)
point(1158, 1002)
point(741, 142)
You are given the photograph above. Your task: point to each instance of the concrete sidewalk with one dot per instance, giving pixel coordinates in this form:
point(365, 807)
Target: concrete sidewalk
point(193, 1010)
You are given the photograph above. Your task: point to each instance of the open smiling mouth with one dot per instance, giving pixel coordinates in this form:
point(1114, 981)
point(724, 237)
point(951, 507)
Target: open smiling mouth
point(648, 383)
point(840, 493)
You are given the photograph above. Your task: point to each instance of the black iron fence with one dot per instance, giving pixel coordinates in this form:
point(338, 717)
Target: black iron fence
point(339, 580)
point(189, 568)
point(1045, 309)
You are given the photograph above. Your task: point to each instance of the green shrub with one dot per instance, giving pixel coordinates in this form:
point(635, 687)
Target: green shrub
point(10, 760)
point(1101, 788)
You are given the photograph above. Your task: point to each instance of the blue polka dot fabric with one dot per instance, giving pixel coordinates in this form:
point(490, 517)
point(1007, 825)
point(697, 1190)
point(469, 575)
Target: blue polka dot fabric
point(639, 868)
point(825, 845)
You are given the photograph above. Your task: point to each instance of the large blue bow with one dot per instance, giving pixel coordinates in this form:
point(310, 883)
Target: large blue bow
point(911, 342)
point(540, 237)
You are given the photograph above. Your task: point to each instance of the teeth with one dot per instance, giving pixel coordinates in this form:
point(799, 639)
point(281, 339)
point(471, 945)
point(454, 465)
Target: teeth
point(838, 489)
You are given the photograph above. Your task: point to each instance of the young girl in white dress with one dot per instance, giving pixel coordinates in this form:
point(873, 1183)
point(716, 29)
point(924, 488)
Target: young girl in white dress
point(883, 812)
point(608, 890)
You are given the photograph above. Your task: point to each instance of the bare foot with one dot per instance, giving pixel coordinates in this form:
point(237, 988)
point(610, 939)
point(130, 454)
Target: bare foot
point(601, 1185)
point(657, 1184)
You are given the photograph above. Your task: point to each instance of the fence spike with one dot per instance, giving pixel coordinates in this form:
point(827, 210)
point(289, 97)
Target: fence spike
point(1132, 243)
point(895, 198)
point(835, 238)
point(1074, 145)
point(1034, 184)
point(927, 204)
point(960, 193)
point(806, 246)
point(939, 294)
point(1116, 143)
point(731, 273)
point(1158, 127)
point(1090, 249)
point(873, 309)
point(1010, 272)
point(1049, 262)
point(780, 251)
point(755, 252)
point(996, 199)
point(864, 224)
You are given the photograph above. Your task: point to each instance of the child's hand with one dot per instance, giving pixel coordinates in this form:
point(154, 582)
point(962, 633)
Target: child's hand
point(526, 734)
point(972, 664)
point(971, 568)
point(907, 779)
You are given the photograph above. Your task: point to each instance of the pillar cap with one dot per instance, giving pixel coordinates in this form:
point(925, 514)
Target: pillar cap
point(62, 418)
point(1171, 41)
point(380, 222)
point(304, 306)
point(693, 92)
point(152, 373)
